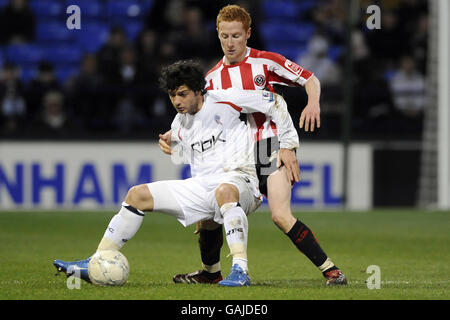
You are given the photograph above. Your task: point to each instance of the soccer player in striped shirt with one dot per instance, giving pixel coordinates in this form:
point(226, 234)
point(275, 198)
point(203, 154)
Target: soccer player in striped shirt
point(250, 69)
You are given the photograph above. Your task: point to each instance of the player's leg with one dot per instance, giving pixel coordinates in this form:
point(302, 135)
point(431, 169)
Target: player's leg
point(210, 242)
point(279, 199)
point(236, 230)
point(122, 227)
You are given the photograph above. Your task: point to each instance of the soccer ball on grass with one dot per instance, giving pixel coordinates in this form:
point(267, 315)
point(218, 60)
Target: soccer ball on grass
point(108, 268)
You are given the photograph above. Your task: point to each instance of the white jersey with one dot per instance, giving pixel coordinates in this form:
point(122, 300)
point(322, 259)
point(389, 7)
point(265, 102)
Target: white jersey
point(258, 71)
point(215, 140)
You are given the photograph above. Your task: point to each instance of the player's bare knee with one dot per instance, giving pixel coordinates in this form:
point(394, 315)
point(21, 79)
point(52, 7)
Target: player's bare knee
point(283, 218)
point(226, 193)
point(278, 219)
point(140, 198)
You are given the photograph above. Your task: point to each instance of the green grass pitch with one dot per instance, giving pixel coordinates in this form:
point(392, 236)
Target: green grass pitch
point(410, 247)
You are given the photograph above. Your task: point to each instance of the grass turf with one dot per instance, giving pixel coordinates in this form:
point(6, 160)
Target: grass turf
point(410, 247)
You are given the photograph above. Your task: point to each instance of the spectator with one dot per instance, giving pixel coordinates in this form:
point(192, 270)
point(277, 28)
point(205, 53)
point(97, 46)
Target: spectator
point(165, 16)
point(328, 72)
point(408, 89)
point(12, 103)
point(147, 56)
point(418, 44)
point(388, 43)
point(17, 23)
point(316, 59)
point(127, 80)
point(86, 94)
point(148, 62)
point(52, 121)
point(193, 40)
point(373, 104)
point(329, 19)
point(109, 53)
point(39, 86)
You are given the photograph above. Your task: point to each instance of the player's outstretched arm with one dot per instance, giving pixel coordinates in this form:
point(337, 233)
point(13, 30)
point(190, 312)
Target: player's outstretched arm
point(310, 116)
point(165, 141)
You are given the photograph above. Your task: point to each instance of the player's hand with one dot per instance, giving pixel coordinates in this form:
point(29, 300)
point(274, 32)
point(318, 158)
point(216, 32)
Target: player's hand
point(165, 141)
point(310, 117)
point(290, 161)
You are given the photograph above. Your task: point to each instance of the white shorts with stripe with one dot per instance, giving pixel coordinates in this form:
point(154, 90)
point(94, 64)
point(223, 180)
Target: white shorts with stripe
point(193, 199)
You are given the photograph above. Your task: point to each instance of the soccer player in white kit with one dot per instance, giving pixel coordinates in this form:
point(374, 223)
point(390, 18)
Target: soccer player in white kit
point(250, 69)
point(219, 149)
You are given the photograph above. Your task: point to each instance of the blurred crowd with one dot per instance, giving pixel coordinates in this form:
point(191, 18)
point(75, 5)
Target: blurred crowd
point(115, 92)
point(389, 67)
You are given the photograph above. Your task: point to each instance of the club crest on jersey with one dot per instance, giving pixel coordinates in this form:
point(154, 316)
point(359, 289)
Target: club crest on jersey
point(260, 80)
point(295, 68)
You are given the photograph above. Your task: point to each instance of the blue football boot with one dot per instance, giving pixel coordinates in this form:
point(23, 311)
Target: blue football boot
point(76, 268)
point(236, 278)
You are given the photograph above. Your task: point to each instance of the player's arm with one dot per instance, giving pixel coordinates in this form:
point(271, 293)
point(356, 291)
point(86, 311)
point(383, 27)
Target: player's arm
point(310, 116)
point(288, 137)
point(165, 141)
point(285, 72)
point(172, 136)
point(271, 104)
point(275, 107)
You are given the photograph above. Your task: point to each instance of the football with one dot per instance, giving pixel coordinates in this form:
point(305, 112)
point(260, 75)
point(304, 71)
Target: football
point(108, 268)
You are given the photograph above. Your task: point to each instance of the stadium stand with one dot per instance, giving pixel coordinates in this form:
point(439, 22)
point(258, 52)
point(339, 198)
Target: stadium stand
point(283, 26)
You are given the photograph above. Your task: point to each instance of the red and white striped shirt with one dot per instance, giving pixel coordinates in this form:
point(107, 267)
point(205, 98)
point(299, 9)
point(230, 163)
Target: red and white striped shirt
point(258, 71)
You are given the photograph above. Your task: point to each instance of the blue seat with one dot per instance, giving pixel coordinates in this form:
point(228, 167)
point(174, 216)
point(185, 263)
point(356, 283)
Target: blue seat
point(92, 36)
point(88, 8)
point(124, 8)
point(291, 52)
point(63, 54)
point(281, 10)
point(132, 28)
point(47, 7)
point(28, 73)
point(307, 5)
point(298, 33)
point(54, 31)
point(3, 3)
point(25, 54)
point(335, 52)
point(64, 73)
point(146, 5)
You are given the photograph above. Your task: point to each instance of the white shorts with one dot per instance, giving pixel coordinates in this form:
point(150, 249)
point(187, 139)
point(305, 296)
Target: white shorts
point(193, 199)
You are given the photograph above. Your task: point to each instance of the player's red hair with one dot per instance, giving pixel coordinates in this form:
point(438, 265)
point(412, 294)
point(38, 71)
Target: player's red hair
point(234, 12)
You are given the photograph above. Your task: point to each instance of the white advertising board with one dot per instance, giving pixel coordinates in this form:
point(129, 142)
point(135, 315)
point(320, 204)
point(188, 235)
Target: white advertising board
point(79, 175)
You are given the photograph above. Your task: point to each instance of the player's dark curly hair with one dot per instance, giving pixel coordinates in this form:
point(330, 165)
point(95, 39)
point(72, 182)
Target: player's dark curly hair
point(183, 72)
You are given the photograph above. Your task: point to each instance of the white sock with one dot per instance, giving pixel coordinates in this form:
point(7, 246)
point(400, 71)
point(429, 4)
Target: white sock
point(243, 263)
point(236, 230)
point(122, 227)
point(326, 265)
point(211, 269)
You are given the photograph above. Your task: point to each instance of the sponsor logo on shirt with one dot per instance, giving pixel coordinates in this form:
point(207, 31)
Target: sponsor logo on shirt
point(268, 96)
point(203, 146)
point(295, 68)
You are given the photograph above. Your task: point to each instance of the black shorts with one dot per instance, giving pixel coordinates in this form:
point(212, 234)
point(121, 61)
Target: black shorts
point(264, 165)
